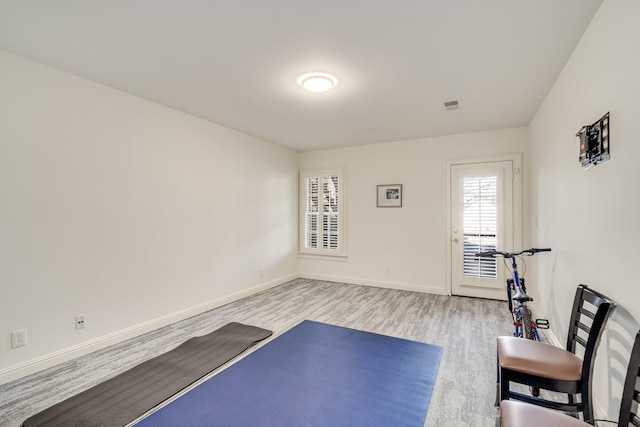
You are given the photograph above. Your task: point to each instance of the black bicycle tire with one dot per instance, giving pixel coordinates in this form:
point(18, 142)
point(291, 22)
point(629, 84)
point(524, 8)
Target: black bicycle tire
point(527, 327)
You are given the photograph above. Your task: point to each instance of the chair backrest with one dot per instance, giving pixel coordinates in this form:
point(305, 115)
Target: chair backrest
point(631, 392)
point(587, 325)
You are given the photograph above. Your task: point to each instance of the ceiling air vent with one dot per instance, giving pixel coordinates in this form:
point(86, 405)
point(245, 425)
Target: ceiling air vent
point(451, 105)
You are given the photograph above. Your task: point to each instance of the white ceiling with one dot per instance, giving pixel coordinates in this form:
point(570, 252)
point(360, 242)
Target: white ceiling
point(236, 62)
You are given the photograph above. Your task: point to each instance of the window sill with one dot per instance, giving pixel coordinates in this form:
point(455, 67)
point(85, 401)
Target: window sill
point(338, 258)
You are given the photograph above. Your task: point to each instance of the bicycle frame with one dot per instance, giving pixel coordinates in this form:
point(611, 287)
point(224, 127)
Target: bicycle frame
point(524, 324)
point(518, 314)
point(521, 314)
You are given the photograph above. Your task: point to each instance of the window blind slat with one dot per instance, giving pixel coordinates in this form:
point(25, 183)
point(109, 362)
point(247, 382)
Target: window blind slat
point(480, 225)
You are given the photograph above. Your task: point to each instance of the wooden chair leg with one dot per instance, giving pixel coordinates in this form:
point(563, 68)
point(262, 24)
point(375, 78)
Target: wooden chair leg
point(497, 402)
point(587, 408)
point(504, 386)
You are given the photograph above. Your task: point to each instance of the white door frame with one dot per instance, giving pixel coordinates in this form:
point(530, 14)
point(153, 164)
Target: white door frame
point(516, 158)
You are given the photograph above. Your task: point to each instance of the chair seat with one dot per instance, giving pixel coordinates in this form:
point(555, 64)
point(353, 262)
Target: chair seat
point(520, 414)
point(539, 359)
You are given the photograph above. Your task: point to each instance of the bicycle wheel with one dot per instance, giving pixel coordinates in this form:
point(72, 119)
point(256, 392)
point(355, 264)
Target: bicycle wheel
point(527, 324)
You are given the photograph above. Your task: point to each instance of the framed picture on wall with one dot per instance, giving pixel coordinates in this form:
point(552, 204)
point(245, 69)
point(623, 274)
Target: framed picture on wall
point(390, 196)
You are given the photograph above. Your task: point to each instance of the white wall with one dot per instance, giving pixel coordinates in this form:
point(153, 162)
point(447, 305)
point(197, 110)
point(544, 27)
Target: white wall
point(135, 214)
point(128, 212)
point(590, 218)
point(411, 240)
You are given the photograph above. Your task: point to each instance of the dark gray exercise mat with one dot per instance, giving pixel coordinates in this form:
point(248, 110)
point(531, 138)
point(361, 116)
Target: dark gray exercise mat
point(127, 396)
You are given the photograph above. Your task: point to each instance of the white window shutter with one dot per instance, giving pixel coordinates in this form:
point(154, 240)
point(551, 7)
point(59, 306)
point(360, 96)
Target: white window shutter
point(322, 216)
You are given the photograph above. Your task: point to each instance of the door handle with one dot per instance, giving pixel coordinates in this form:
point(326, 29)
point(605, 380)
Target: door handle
point(455, 240)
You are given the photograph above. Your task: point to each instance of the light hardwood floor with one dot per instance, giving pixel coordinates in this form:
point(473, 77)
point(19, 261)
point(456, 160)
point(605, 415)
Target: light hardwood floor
point(466, 328)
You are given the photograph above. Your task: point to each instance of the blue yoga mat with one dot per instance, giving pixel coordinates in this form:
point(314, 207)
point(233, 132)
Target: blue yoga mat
point(315, 374)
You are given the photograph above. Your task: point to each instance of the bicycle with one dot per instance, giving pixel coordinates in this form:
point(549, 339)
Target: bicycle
point(524, 324)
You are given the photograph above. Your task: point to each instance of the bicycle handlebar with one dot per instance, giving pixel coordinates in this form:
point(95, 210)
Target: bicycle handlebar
point(530, 251)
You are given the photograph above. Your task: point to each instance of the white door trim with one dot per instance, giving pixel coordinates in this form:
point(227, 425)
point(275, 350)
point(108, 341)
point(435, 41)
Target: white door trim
point(516, 158)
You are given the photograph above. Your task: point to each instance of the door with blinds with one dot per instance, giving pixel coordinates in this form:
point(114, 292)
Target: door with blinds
point(481, 220)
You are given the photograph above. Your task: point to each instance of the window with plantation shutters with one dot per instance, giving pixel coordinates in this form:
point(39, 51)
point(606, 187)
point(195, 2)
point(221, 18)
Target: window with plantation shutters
point(322, 212)
point(480, 225)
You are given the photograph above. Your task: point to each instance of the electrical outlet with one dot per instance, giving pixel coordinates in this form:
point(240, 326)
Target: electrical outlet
point(388, 270)
point(261, 272)
point(19, 338)
point(81, 321)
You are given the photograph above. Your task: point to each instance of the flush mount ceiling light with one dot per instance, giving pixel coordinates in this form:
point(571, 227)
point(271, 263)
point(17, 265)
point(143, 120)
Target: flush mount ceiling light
point(317, 82)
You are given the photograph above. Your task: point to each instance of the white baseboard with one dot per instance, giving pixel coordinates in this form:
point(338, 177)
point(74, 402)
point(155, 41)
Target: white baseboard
point(375, 283)
point(32, 366)
point(599, 413)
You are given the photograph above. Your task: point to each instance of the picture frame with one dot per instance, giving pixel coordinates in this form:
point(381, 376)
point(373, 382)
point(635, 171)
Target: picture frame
point(389, 196)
